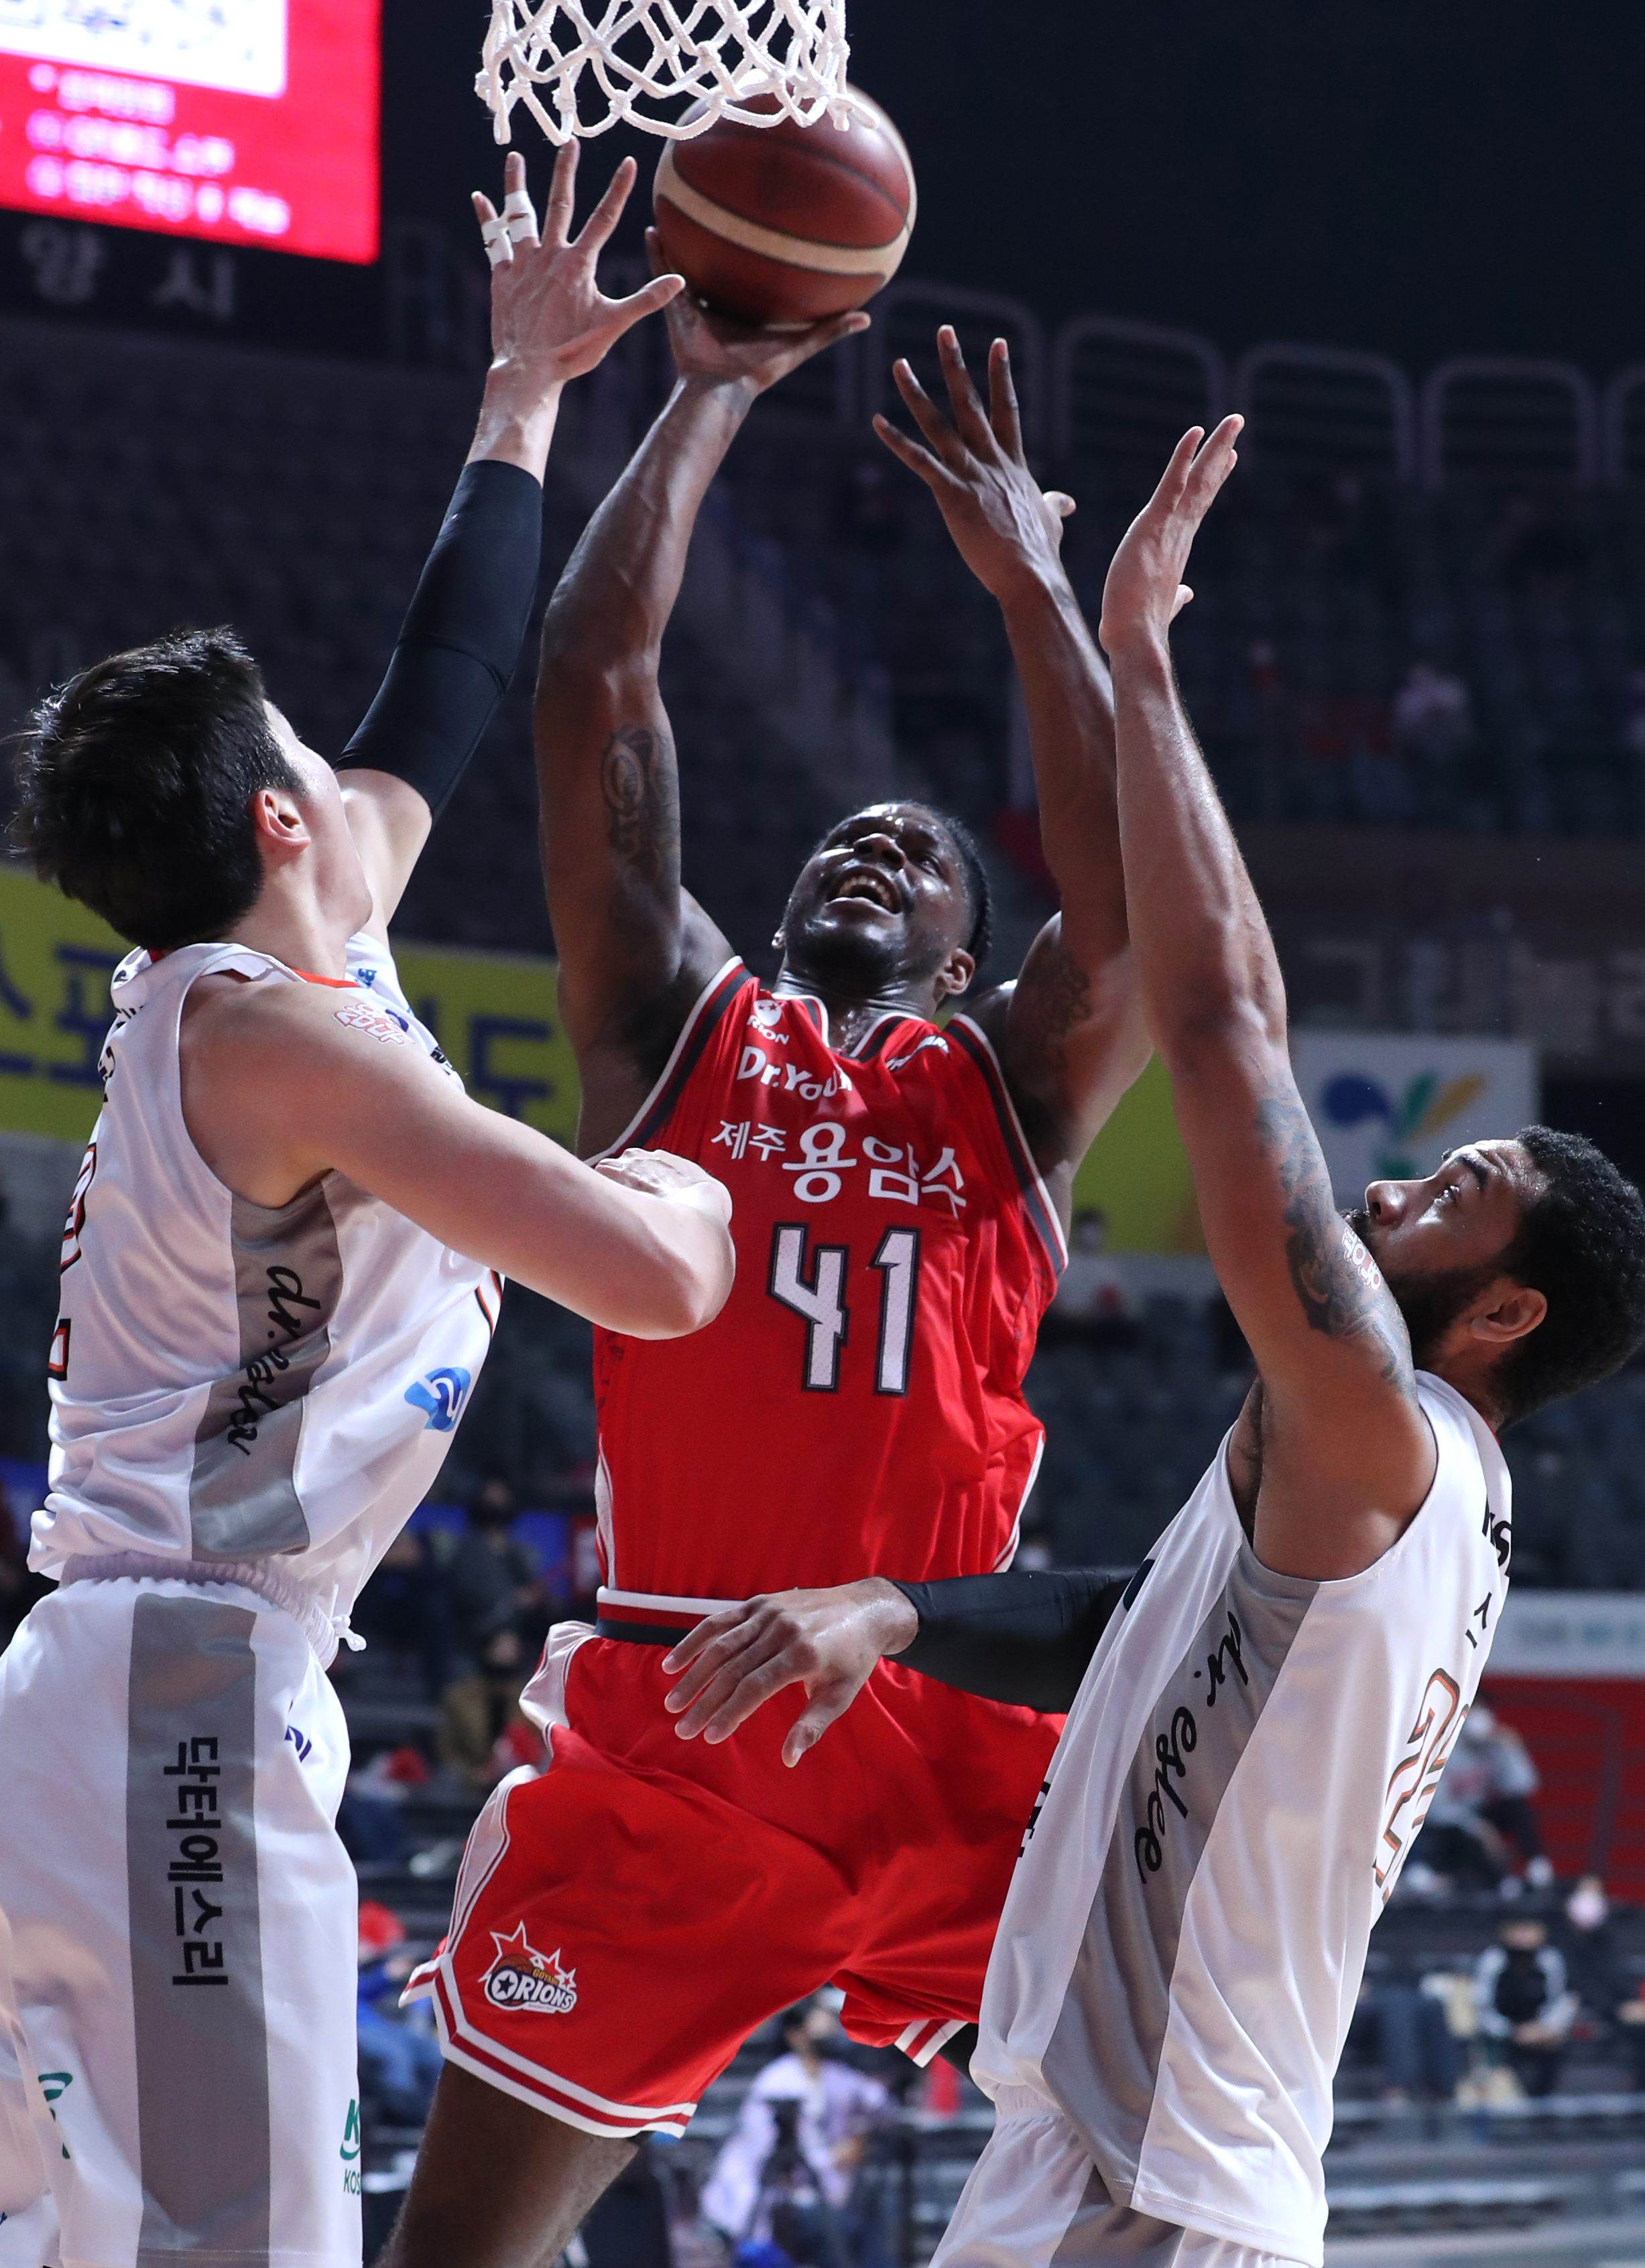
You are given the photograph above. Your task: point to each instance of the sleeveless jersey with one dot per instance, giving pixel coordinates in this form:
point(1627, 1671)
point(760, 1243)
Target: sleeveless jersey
point(232, 1382)
point(857, 1406)
point(1227, 1812)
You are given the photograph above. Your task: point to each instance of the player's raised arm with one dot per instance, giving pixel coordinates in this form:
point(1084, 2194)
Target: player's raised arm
point(635, 950)
point(294, 1080)
point(1347, 1455)
point(460, 642)
point(1069, 1031)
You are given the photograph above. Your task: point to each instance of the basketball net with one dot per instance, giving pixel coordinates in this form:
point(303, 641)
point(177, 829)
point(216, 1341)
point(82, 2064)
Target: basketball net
point(638, 62)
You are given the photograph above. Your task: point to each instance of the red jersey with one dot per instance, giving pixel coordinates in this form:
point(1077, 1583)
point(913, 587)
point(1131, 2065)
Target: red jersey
point(857, 1406)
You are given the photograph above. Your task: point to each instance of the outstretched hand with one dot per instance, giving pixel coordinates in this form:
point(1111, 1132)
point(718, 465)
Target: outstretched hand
point(707, 345)
point(1007, 529)
point(828, 1641)
point(1145, 591)
point(549, 320)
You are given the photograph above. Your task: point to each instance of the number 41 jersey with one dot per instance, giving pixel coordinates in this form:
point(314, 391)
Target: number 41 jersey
point(857, 1406)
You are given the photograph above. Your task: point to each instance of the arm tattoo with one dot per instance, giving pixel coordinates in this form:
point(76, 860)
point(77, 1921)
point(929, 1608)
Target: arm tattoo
point(637, 778)
point(1335, 1278)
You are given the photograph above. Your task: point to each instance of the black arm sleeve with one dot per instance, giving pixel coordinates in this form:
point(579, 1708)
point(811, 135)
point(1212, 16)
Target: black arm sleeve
point(461, 636)
point(1027, 1637)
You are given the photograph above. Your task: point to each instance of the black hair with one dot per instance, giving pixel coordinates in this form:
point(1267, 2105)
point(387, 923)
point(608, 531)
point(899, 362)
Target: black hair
point(979, 896)
point(135, 781)
point(1581, 1244)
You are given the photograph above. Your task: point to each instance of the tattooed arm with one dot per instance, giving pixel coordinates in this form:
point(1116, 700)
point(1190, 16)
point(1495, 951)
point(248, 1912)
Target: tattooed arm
point(1334, 1457)
point(635, 949)
point(1070, 1031)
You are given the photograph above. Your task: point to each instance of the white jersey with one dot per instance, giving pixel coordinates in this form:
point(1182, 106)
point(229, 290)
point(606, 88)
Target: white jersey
point(1237, 1785)
point(263, 1393)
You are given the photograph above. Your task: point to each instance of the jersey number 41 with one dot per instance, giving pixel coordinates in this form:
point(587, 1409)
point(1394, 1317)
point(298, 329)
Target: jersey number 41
point(810, 1280)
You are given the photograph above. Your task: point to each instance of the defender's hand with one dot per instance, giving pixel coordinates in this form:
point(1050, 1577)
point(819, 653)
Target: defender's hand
point(660, 1174)
point(1145, 591)
point(828, 1641)
point(549, 320)
point(1009, 530)
point(713, 347)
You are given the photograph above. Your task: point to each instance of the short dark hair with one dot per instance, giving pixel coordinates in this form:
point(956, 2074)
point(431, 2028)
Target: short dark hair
point(134, 785)
point(1581, 1244)
point(980, 896)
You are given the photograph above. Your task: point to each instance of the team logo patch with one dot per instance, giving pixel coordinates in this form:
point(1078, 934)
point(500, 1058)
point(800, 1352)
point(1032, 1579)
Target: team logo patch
point(441, 1394)
point(519, 1978)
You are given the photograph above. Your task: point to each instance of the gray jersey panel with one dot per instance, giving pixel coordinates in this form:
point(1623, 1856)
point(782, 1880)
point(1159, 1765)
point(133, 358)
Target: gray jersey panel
point(196, 1947)
point(288, 1280)
point(1103, 2059)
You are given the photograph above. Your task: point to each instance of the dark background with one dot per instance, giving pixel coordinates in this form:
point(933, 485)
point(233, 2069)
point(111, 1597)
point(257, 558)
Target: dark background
point(1422, 180)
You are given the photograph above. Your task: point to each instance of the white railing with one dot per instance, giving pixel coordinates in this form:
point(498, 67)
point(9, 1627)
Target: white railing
point(1326, 408)
point(1497, 416)
point(1131, 390)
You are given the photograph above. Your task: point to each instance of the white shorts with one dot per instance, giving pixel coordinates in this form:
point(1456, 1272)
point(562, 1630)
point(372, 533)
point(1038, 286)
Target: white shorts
point(1034, 2199)
point(178, 1937)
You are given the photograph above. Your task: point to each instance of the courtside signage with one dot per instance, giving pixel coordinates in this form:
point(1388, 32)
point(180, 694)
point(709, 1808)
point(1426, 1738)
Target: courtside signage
point(1387, 1105)
point(246, 121)
point(496, 1015)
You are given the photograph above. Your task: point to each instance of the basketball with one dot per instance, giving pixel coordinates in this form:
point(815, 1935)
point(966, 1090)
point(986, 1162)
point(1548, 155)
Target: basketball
point(785, 225)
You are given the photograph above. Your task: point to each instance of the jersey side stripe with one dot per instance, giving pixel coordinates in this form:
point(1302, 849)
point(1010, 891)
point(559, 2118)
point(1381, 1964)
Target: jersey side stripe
point(654, 1113)
point(1036, 1198)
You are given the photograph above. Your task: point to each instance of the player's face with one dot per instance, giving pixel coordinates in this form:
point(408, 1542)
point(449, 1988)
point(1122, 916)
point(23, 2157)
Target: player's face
point(884, 897)
point(1439, 1242)
point(338, 879)
point(1465, 1214)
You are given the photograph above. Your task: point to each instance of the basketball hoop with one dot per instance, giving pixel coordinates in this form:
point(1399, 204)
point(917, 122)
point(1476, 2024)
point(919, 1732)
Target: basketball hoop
point(642, 61)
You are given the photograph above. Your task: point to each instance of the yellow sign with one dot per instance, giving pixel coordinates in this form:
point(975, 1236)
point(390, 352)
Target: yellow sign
point(497, 1016)
point(1137, 1174)
point(55, 962)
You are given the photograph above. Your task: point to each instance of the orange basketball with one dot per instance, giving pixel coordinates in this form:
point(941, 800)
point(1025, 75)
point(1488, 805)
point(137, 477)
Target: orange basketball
point(784, 225)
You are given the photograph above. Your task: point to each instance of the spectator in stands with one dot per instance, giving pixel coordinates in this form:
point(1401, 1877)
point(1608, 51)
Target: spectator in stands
point(1525, 2005)
point(406, 1606)
point(1092, 1297)
point(484, 1733)
point(371, 1816)
point(399, 2057)
point(1402, 2024)
point(837, 2108)
point(1433, 719)
point(1481, 1827)
point(491, 1580)
point(1597, 1972)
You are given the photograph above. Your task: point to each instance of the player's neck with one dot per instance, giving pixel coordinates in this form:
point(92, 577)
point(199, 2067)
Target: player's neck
point(290, 925)
point(852, 1012)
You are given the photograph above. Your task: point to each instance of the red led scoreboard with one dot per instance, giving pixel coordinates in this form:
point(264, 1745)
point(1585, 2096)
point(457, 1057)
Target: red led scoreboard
point(245, 121)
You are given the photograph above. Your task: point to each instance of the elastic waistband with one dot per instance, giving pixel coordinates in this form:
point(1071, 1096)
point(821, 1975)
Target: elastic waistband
point(324, 1631)
point(651, 1617)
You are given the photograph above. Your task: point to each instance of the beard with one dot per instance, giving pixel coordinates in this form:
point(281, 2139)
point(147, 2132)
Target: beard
point(1428, 1302)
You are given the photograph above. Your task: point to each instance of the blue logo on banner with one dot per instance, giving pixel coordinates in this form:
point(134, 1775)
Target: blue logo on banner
point(441, 1392)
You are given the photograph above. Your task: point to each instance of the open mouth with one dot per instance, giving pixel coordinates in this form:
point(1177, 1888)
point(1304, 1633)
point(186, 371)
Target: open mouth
point(868, 882)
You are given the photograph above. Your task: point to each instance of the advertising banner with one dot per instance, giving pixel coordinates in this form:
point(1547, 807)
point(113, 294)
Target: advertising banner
point(1387, 1105)
point(245, 121)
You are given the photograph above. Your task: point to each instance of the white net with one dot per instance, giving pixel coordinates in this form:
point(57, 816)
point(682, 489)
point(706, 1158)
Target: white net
point(641, 62)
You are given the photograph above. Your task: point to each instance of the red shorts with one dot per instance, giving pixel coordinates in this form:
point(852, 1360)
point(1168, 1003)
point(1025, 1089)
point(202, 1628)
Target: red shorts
point(625, 1919)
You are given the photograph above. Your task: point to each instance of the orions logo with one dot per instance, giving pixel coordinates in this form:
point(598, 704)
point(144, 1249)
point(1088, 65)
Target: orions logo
point(522, 1978)
point(440, 1393)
